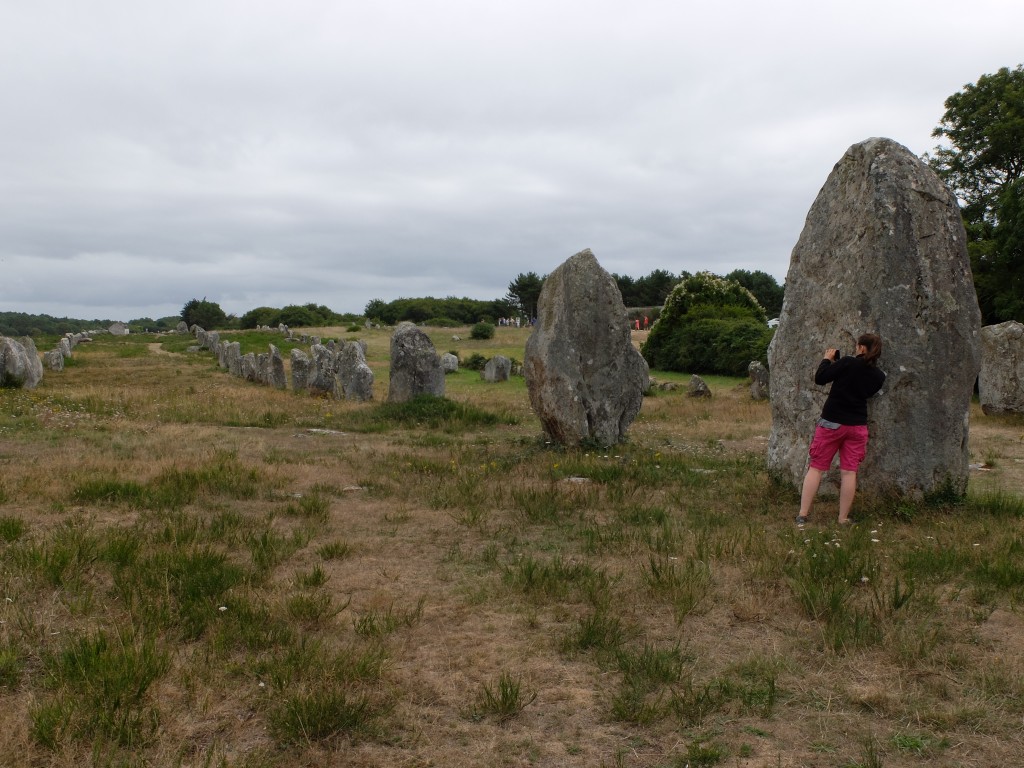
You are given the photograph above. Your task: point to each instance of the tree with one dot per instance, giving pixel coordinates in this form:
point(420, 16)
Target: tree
point(708, 325)
point(254, 318)
point(524, 291)
point(983, 165)
point(765, 288)
point(206, 314)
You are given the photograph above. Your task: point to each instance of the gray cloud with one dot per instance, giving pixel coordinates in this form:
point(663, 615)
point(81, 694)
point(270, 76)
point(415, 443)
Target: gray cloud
point(260, 153)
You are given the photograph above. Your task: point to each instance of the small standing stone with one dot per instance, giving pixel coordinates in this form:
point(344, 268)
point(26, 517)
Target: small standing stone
point(449, 362)
point(498, 368)
point(758, 380)
point(698, 387)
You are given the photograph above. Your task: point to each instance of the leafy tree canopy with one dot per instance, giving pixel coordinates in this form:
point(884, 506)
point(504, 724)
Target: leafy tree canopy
point(206, 314)
point(524, 291)
point(766, 289)
point(983, 165)
point(647, 291)
point(466, 311)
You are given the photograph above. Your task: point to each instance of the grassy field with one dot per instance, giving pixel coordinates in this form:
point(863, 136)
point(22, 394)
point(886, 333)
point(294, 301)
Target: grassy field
point(198, 571)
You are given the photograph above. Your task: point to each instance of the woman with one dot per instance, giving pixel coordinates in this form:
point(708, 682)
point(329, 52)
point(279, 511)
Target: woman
point(843, 426)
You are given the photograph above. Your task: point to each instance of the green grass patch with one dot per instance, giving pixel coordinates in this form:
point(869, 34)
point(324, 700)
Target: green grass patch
point(423, 412)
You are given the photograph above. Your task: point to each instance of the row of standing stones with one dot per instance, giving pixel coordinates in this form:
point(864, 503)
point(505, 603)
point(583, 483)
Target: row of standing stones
point(883, 250)
point(20, 363)
point(339, 369)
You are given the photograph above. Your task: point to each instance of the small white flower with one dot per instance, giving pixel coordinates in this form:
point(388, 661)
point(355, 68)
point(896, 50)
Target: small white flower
point(864, 579)
point(875, 541)
point(222, 608)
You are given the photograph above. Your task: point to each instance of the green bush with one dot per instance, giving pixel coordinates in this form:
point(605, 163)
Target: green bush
point(709, 325)
point(475, 362)
point(482, 331)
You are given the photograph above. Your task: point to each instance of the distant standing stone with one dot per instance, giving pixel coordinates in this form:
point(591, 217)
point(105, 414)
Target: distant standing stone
point(1001, 381)
point(54, 359)
point(415, 365)
point(300, 370)
point(586, 379)
point(323, 378)
point(449, 362)
point(698, 387)
point(354, 375)
point(498, 368)
point(759, 381)
point(884, 251)
point(277, 377)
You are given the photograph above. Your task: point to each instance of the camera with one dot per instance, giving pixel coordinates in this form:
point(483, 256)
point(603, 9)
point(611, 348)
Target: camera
point(836, 355)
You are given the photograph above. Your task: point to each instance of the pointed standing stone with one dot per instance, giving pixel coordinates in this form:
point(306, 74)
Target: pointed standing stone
point(883, 251)
point(586, 379)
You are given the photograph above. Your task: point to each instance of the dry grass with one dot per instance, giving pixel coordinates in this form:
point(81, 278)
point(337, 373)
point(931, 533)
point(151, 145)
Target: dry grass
point(198, 571)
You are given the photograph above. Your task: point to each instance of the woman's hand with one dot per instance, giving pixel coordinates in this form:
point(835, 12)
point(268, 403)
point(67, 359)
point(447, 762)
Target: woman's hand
point(830, 353)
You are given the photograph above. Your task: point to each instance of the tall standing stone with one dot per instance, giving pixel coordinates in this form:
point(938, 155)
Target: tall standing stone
point(1001, 382)
point(758, 380)
point(323, 378)
point(300, 370)
point(586, 379)
point(415, 365)
point(276, 375)
point(233, 357)
point(354, 376)
point(883, 250)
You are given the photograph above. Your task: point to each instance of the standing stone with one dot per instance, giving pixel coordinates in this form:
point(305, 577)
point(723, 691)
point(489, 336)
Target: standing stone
point(20, 365)
point(233, 356)
point(758, 380)
point(64, 348)
point(300, 370)
point(498, 368)
point(355, 377)
point(586, 379)
point(182, 327)
point(54, 359)
point(276, 375)
point(449, 362)
point(883, 250)
point(415, 366)
point(1001, 381)
point(698, 387)
point(212, 340)
point(247, 367)
point(323, 379)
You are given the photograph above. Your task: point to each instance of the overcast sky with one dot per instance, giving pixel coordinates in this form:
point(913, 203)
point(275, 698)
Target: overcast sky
point(272, 153)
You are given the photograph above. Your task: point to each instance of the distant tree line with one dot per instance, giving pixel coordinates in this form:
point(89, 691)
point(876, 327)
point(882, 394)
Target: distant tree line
point(23, 324)
point(431, 311)
point(651, 290)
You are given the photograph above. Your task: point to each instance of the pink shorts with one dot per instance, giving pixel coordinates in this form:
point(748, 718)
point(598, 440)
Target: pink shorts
point(850, 441)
